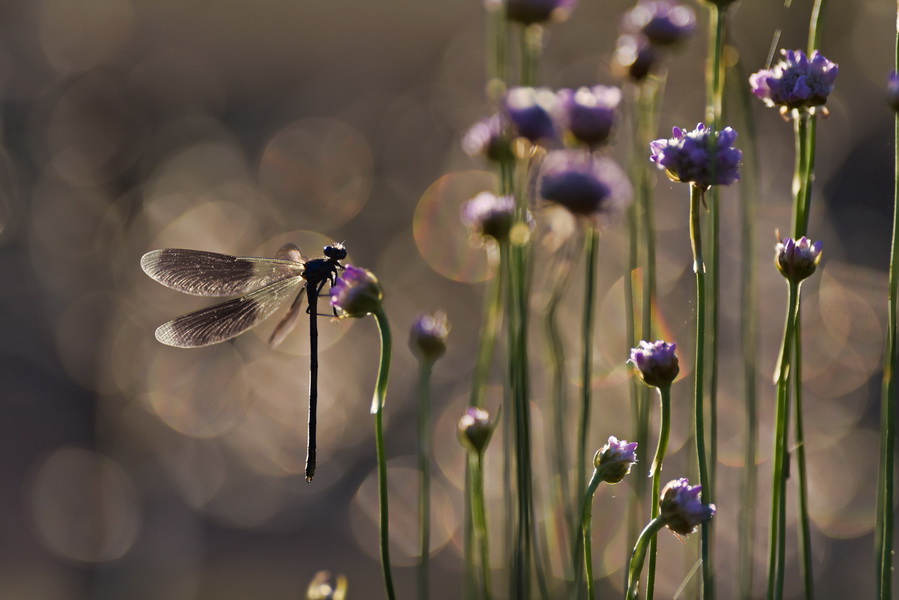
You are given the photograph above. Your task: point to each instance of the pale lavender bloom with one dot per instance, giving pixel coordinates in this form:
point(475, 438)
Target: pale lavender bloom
point(635, 57)
point(475, 429)
point(656, 362)
point(686, 156)
point(589, 113)
point(893, 91)
point(615, 459)
point(490, 215)
point(529, 12)
point(427, 338)
point(663, 22)
point(356, 293)
point(530, 112)
point(490, 138)
point(797, 260)
point(586, 185)
point(797, 81)
point(681, 508)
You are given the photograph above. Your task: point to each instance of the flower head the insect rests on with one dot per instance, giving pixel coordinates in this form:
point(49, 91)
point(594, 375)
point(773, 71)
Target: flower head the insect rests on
point(530, 112)
point(681, 508)
point(356, 293)
point(614, 460)
point(529, 12)
point(797, 81)
point(427, 338)
point(686, 156)
point(589, 113)
point(489, 215)
point(664, 23)
point(588, 186)
point(656, 363)
point(475, 429)
point(797, 260)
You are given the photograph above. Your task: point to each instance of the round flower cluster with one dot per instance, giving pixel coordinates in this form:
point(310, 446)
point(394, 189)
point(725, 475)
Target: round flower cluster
point(681, 508)
point(615, 459)
point(797, 260)
point(688, 156)
point(588, 186)
point(647, 31)
point(490, 215)
point(796, 82)
point(656, 363)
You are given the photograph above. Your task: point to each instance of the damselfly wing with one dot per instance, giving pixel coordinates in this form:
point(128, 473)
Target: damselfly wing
point(262, 286)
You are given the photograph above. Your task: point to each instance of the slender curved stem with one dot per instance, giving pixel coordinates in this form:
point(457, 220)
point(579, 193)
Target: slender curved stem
point(479, 516)
point(378, 410)
point(490, 320)
point(424, 474)
point(805, 541)
point(638, 556)
point(656, 474)
point(586, 526)
point(591, 251)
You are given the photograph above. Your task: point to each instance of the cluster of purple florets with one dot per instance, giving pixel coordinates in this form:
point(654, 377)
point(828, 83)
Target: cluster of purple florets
point(647, 31)
point(656, 362)
point(681, 508)
point(796, 82)
point(693, 157)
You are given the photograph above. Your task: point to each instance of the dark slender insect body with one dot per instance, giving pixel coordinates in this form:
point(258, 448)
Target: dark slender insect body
point(263, 284)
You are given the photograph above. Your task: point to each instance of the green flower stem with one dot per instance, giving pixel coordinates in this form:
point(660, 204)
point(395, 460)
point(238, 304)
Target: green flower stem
point(378, 410)
point(781, 456)
point(656, 473)
point(800, 208)
point(591, 251)
point(805, 540)
point(696, 197)
point(479, 517)
point(490, 320)
point(814, 26)
point(531, 48)
point(424, 473)
point(586, 526)
point(639, 555)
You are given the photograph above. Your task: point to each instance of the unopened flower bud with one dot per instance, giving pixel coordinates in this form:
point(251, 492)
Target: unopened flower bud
point(681, 508)
point(656, 363)
point(427, 339)
point(614, 460)
point(357, 293)
point(475, 429)
point(797, 260)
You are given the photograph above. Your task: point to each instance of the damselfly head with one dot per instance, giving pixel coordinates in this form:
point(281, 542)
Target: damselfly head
point(335, 251)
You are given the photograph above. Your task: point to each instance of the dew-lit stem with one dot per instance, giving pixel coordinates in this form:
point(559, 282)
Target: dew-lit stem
point(638, 556)
point(479, 518)
point(424, 473)
point(656, 474)
point(586, 526)
point(378, 410)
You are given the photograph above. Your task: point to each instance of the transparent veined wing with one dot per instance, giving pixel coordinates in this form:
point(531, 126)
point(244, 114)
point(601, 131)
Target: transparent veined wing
point(229, 319)
point(211, 274)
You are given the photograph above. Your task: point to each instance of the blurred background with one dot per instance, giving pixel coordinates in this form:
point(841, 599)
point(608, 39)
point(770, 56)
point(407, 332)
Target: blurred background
point(129, 469)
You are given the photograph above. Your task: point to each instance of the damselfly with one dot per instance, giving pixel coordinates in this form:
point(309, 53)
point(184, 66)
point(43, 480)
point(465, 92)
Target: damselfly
point(263, 284)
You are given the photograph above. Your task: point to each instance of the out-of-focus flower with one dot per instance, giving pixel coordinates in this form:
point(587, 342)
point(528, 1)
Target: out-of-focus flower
point(589, 113)
point(687, 157)
point(490, 215)
point(321, 588)
point(530, 111)
point(663, 22)
point(586, 185)
point(797, 260)
point(681, 508)
point(634, 57)
point(656, 362)
point(721, 3)
point(490, 138)
point(893, 91)
point(796, 81)
point(357, 293)
point(475, 429)
point(529, 12)
point(427, 338)
point(615, 459)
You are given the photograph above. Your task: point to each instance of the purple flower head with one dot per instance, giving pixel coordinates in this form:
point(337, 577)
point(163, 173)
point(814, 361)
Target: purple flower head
point(490, 215)
point(656, 363)
point(681, 508)
point(589, 113)
point(635, 57)
point(587, 186)
point(614, 460)
point(686, 156)
point(356, 293)
point(529, 12)
point(893, 91)
point(663, 22)
point(530, 112)
point(427, 339)
point(796, 81)
point(475, 429)
point(797, 260)
point(490, 138)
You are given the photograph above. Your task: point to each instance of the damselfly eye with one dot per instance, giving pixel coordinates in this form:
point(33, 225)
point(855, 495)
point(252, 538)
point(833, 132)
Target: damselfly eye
point(335, 252)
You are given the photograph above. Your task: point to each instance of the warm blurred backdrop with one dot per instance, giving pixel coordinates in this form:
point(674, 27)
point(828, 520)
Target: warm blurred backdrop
point(129, 469)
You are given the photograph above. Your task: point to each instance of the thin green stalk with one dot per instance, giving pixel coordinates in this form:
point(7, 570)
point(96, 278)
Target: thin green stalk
point(656, 473)
point(586, 527)
point(479, 515)
point(591, 251)
point(531, 48)
point(638, 556)
point(489, 326)
point(378, 410)
point(424, 473)
point(805, 540)
point(814, 27)
point(800, 208)
point(696, 198)
point(781, 456)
